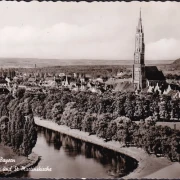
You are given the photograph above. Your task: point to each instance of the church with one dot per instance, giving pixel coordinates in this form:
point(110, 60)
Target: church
point(144, 76)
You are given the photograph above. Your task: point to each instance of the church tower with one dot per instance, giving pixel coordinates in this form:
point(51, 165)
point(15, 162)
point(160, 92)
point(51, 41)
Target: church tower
point(138, 74)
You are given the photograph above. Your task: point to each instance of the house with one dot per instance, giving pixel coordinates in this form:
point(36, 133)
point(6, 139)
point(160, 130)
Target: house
point(3, 82)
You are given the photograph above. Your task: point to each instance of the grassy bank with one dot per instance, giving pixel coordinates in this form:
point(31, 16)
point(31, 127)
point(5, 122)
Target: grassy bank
point(147, 165)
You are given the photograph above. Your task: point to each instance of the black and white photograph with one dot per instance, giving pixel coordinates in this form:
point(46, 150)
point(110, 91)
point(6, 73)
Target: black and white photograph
point(90, 90)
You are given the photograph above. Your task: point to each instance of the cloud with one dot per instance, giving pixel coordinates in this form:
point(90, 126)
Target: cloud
point(88, 41)
point(163, 49)
point(63, 40)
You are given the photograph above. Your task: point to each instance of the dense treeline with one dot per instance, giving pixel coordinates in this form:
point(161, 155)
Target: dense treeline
point(135, 107)
point(17, 127)
point(110, 116)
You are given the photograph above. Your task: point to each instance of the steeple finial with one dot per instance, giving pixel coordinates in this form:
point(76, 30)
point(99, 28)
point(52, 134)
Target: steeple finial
point(139, 28)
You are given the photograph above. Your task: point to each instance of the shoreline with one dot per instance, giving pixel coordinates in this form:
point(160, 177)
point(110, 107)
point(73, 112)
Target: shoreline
point(147, 164)
point(21, 162)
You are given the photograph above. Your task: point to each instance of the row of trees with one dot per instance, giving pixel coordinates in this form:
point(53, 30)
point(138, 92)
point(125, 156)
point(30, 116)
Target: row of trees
point(17, 127)
point(161, 108)
point(110, 116)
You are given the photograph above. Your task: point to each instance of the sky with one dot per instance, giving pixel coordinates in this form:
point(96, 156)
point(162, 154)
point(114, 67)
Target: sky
point(98, 30)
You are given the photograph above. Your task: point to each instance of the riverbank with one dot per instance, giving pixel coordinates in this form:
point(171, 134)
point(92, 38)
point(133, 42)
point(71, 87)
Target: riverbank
point(18, 163)
point(147, 165)
point(170, 172)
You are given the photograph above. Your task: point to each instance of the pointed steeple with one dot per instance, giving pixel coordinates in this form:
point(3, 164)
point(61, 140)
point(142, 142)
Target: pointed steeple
point(139, 78)
point(139, 28)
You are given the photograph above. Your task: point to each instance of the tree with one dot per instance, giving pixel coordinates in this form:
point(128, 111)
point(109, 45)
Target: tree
point(87, 122)
point(56, 112)
point(4, 120)
point(129, 106)
point(102, 124)
point(111, 130)
point(118, 105)
point(164, 109)
point(20, 93)
point(139, 112)
point(21, 133)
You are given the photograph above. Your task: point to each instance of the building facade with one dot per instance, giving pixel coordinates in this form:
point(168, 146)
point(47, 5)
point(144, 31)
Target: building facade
point(138, 75)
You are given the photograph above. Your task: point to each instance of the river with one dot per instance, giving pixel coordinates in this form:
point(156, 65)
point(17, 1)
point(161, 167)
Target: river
point(72, 158)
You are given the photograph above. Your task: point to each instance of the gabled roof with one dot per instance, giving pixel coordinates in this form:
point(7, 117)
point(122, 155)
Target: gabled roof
point(152, 73)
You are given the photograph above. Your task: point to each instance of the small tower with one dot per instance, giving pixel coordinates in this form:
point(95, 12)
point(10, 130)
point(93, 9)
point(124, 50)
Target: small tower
point(138, 74)
point(66, 82)
point(35, 72)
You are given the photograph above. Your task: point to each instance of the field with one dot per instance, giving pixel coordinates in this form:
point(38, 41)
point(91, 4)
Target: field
point(30, 62)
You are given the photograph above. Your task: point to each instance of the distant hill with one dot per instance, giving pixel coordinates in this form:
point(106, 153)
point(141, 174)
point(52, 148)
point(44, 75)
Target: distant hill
point(175, 65)
point(176, 62)
point(30, 62)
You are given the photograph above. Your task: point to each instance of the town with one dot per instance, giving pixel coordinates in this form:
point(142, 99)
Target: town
point(11, 79)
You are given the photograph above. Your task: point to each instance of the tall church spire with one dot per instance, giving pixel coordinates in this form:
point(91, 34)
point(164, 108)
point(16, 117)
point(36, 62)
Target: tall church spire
point(139, 66)
point(139, 28)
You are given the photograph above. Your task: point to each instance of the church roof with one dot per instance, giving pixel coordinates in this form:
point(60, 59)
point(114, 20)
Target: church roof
point(152, 73)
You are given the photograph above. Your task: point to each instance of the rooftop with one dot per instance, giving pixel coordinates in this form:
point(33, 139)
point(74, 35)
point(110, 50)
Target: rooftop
point(152, 73)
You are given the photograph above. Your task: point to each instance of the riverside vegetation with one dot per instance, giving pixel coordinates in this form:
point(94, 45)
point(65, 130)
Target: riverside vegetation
point(17, 127)
point(110, 116)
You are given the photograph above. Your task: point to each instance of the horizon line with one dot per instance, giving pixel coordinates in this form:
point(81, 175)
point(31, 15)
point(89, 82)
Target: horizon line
point(85, 59)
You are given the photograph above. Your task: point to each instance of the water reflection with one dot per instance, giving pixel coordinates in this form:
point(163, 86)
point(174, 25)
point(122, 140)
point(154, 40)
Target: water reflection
point(119, 165)
point(70, 157)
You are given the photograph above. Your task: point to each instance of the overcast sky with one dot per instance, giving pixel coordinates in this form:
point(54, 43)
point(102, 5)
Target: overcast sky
point(98, 30)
